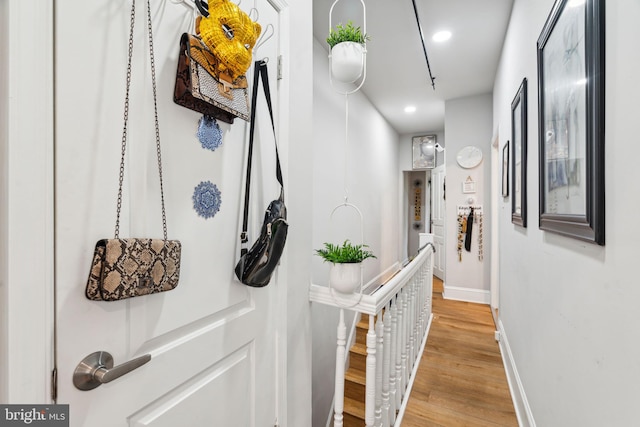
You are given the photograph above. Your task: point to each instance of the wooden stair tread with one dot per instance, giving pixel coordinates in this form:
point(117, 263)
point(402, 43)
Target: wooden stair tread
point(356, 376)
point(353, 407)
point(363, 324)
point(359, 348)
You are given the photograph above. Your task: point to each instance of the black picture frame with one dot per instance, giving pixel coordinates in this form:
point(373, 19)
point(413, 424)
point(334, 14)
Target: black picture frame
point(505, 170)
point(519, 156)
point(571, 103)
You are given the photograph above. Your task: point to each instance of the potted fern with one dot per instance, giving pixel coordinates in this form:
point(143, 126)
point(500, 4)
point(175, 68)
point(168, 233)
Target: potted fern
point(347, 45)
point(346, 260)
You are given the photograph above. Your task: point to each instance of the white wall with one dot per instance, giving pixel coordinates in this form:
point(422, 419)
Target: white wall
point(569, 308)
point(372, 183)
point(468, 122)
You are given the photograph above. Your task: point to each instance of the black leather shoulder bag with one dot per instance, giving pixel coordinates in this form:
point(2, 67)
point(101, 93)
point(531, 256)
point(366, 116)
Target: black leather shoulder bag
point(257, 264)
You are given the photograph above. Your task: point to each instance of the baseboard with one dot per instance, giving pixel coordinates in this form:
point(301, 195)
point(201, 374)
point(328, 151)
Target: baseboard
point(466, 294)
point(520, 402)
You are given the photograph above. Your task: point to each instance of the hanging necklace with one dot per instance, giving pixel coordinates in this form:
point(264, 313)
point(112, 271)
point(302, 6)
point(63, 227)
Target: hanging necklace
point(461, 219)
point(480, 243)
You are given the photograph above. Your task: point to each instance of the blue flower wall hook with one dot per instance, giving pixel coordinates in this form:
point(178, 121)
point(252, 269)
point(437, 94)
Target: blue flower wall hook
point(209, 133)
point(207, 199)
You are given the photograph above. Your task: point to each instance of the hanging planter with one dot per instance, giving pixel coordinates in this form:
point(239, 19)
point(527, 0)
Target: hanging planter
point(345, 278)
point(347, 61)
point(348, 51)
point(345, 274)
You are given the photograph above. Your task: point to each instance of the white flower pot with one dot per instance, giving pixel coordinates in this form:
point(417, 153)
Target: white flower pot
point(345, 278)
point(347, 61)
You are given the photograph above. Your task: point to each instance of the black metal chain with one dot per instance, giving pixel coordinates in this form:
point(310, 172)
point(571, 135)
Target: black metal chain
point(155, 111)
point(126, 119)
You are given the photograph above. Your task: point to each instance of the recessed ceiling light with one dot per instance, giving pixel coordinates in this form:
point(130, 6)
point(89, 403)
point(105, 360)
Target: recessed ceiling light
point(410, 109)
point(441, 36)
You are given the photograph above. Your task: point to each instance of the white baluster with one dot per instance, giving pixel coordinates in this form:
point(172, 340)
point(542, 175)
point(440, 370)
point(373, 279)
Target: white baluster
point(339, 386)
point(405, 340)
point(392, 361)
point(417, 308)
point(414, 323)
point(379, 363)
point(399, 348)
point(411, 354)
point(386, 354)
point(420, 302)
point(430, 285)
point(429, 293)
point(370, 386)
point(427, 297)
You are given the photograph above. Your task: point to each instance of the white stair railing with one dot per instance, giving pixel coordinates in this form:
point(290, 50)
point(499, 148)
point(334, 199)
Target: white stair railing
point(399, 319)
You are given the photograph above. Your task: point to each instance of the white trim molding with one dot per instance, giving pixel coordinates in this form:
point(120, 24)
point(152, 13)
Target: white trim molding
point(519, 397)
point(27, 193)
point(480, 296)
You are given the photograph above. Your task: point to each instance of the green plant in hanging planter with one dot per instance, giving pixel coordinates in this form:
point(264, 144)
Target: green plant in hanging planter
point(346, 33)
point(346, 253)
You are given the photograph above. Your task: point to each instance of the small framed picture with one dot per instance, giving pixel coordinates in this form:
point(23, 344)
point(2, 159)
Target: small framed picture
point(505, 170)
point(519, 156)
point(469, 186)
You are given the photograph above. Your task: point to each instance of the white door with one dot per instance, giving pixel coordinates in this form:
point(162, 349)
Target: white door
point(212, 341)
point(438, 218)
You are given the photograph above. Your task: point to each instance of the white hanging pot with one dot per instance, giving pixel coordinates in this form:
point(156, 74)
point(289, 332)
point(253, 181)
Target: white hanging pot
point(347, 61)
point(345, 278)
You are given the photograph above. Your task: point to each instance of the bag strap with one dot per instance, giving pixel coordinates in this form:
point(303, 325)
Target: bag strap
point(126, 119)
point(203, 7)
point(260, 70)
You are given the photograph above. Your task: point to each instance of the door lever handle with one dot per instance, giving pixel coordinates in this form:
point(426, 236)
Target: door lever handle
point(97, 368)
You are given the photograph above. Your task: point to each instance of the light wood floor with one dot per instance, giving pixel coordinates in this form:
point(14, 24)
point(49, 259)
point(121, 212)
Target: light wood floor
point(461, 379)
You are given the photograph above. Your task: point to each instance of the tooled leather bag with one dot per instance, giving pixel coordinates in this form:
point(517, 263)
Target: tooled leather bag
point(131, 267)
point(256, 265)
point(200, 88)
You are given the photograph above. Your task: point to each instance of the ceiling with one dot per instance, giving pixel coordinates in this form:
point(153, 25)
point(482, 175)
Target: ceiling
point(397, 73)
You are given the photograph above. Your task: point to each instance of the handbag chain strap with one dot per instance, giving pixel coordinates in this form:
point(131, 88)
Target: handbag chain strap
point(126, 118)
point(260, 70)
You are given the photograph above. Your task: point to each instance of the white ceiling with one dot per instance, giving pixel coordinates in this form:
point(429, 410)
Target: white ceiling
point(397, 72)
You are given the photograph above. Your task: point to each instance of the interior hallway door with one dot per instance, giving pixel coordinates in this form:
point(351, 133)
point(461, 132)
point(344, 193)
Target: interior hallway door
point(438, 219)
point(212, 341)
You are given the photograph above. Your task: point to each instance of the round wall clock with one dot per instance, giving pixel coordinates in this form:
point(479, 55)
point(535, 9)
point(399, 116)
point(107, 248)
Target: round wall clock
point(469, 157)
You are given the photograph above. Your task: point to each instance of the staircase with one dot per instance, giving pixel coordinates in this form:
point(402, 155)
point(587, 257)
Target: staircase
point(354, 385)
point(377, 382)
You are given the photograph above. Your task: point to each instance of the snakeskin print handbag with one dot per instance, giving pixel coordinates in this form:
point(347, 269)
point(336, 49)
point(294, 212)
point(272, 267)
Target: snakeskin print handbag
point(125, 268)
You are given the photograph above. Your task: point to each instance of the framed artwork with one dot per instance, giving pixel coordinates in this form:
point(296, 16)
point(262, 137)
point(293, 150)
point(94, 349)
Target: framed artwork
point(469, 186)
point(424, 152)
point(505, 170)
point(519, 156)
point(571, 86)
